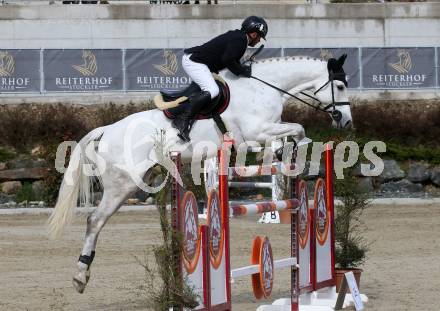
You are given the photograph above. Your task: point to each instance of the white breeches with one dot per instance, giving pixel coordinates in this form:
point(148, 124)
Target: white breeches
point(201, 75)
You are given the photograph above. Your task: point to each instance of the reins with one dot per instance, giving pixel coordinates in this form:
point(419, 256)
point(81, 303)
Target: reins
point(318, 107)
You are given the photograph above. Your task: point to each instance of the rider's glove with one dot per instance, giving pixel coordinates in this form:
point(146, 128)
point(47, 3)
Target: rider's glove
point(246, 71)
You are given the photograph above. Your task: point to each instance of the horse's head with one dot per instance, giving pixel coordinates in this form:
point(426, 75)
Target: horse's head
point(332, 90)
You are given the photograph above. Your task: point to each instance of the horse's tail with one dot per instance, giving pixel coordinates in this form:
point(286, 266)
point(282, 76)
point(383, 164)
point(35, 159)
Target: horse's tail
point(75, 183)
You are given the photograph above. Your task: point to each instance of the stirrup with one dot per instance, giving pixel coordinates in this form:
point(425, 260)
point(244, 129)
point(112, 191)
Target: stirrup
point(183, 133)
point(183, 137)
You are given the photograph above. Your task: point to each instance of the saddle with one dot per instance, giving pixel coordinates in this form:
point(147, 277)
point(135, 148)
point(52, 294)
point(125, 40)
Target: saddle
point(172, 103)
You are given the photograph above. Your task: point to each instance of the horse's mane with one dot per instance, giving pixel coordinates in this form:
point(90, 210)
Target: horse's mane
point(296, 57)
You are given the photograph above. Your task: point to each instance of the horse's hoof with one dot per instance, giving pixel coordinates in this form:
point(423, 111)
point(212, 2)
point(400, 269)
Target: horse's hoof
point(79, 286)
point(279, 153)
point(80, 281)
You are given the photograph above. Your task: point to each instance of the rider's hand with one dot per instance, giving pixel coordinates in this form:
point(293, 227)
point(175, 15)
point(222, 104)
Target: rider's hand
point(246, 71)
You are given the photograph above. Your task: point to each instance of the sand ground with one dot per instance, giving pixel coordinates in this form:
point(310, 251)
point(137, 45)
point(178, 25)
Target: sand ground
point(402, 271)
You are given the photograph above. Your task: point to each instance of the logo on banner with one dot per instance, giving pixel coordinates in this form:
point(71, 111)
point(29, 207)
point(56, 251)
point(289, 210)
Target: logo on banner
point(89, 67)
point(322, 213)
point(326, 54)
point(262, 282)
point(7, 64)
point(400, 76)
point(88, 80)
point(268, 267)
point(7, 69)
point(170, 66)
point(404, 64)
point(165, 75)
point(216, 238)
point(191, 245)
point(304, 215)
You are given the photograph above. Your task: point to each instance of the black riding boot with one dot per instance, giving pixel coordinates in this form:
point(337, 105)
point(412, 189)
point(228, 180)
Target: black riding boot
point(184, 121)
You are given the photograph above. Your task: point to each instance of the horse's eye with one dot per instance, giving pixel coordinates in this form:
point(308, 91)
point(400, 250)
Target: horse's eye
point(340, 87)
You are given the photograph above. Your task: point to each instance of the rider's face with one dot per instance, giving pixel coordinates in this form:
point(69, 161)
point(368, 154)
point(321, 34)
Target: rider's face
point(254, 39)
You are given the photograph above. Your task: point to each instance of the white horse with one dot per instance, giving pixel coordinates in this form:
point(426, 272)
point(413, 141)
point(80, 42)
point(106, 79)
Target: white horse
point(254, 114)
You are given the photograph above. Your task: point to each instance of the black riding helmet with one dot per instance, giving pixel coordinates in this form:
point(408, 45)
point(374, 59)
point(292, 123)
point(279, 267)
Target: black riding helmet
point(255, 24)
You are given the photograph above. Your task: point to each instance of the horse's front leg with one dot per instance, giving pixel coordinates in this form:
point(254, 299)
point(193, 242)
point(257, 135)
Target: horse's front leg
point(273, 131)
point(235, 132)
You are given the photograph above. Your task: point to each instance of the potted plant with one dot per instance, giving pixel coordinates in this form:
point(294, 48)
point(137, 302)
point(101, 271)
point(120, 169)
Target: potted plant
point(350, 247)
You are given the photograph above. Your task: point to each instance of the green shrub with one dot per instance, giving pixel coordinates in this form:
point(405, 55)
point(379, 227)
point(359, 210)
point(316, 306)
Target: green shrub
point(350, 247)
point(410, 123)
point(111, 113)
point(412, 134)
point(25, 126)
point(165, 288)
point(410, 130)
point(26, 193)
point(53, 180)
point(6, 154)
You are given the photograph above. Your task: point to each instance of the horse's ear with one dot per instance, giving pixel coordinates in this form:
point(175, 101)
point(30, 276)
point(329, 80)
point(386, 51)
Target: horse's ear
point(332, 64)
point(341, 59)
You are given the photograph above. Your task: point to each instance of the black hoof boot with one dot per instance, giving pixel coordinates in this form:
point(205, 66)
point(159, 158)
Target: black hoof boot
point(279, 153)
point(288, 148)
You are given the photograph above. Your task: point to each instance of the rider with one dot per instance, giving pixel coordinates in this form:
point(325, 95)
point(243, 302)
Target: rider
point(221, 52)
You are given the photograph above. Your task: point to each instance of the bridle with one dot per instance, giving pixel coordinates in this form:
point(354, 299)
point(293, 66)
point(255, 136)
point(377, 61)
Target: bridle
point(336, 115)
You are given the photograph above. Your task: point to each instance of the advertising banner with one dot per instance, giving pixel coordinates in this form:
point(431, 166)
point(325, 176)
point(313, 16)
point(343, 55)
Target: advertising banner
point(83, 70)
point(19, 71)
point(78, 70)
point(351, 65)
point(264, 53)
point(394, 68)
point(155, 69)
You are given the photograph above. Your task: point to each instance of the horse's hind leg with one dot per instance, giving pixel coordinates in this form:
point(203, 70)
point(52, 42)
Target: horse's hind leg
point(111, 201)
